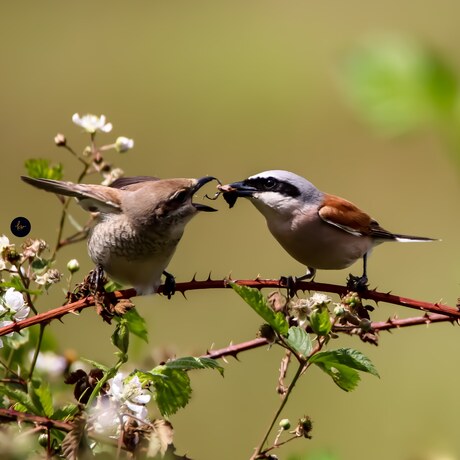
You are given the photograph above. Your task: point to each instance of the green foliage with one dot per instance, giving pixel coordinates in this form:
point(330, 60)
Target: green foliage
point(14, 282)
point(299, 341)
point(399, 85)
point(172, 388)
point(42, 397)
point(41, 168)
point(342, 365)
point(100, 366)
point(120, 337)
point(191, 362)
point(65, 412)
point(320, 320)
point(172, 383)
point(255, 299)
point(22, 401)
point(136, 324)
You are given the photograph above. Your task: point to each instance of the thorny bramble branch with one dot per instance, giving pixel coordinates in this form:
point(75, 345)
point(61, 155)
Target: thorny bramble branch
point(435, 312)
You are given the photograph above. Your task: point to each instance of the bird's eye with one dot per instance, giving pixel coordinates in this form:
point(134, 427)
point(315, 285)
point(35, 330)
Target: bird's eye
point(269, 183)
point(181, 196)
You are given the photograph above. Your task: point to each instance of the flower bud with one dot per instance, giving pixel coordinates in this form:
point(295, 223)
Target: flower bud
point(285, 424)
point(123, 144)
point(60, 140)
point(73, 266)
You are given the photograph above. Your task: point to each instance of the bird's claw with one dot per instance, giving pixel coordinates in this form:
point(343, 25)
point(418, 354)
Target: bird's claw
point(289, 282)
point(96, 279)
point(357, 283)
point(169, 285)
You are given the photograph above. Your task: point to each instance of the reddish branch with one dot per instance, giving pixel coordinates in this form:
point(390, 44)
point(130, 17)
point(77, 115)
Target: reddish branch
point(445, 312)
point(12, 415)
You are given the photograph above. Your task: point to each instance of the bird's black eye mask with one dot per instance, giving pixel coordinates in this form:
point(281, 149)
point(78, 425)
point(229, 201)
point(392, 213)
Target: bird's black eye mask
point(271, 184)
point(248, 187)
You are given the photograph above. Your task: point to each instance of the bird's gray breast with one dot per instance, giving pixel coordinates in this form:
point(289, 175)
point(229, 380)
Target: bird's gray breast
point(116, 238)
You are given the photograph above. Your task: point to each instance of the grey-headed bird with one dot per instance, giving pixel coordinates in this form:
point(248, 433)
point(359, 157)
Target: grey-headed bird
point(319, 230)
point(139, 222)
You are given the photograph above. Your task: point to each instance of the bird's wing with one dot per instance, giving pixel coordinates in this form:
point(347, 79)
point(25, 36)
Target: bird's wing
point(348, 217)
point(93, 198)
point(132, 183)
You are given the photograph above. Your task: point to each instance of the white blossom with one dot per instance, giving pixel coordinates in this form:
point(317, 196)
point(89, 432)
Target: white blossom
point(122, 398)
point(14, 300)
point(123, 144)
point(104, 416)
point(92, 123)
point(4, 242)
point(130, 393)
point(50, 363)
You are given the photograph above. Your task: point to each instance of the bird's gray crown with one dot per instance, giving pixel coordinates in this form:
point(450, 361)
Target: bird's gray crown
point(285, 183)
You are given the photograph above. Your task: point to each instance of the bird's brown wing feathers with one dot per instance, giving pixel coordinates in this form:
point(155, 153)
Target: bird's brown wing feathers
point(348, 217)
point(132, 183)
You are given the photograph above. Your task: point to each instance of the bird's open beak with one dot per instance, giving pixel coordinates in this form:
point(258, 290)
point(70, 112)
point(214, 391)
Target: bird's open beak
point(199, 183)
point(232, 192)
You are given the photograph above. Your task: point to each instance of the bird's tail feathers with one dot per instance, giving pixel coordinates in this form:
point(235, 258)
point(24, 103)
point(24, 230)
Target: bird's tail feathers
point(414, 239)
point(50, 185)
point(93, 198)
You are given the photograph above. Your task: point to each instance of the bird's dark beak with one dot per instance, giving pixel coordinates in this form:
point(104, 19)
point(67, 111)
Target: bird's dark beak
point(199, 183)
point(232, 192)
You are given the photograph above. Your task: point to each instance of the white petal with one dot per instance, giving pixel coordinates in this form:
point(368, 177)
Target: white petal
point(140, 411)
point(4, 242)
point(116, 386)
point(106, 128)
point(14, 299)
point(141, 399)
point(76, 119)
point(23, 313)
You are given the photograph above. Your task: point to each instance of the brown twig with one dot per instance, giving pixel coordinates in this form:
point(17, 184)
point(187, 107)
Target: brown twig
point(12, 415)
point(447, 313)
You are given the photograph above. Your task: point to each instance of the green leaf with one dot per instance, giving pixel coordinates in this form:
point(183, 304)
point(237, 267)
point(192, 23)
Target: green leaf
point(120, 337)
point(14, 282)
point(320, 321)
point(345, 377)
point(40, 265)
point(299, 341)
point(398, 85)
point(63, 413)
point(45, 397)
point(20, 397)
point(190, 362)
point(254, 298)
point(136, 324)
point(103, 368)
point(172, 388)
point(342, 365)
point(112, 286)
point(40, 168)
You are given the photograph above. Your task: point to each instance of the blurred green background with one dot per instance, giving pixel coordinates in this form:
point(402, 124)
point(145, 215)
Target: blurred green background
point(231, 89)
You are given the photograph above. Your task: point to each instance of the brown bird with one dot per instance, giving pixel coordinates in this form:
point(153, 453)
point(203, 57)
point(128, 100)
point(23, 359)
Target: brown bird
point(139, 222)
